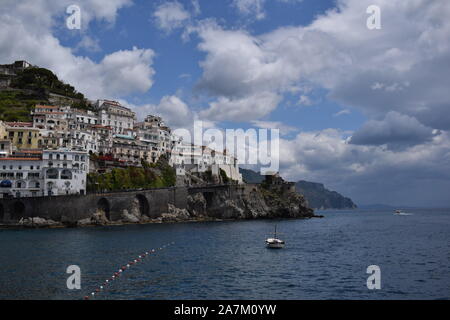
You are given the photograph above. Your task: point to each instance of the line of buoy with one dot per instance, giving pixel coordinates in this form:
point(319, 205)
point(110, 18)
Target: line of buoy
point(124, 268)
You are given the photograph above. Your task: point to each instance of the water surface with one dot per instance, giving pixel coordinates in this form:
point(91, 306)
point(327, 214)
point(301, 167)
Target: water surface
point(323, 259)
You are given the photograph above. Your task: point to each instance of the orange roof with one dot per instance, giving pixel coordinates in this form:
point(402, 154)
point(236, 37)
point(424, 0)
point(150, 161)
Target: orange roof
point(19, 124)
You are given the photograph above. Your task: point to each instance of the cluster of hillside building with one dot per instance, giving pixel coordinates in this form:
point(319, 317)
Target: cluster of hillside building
point(53, 154)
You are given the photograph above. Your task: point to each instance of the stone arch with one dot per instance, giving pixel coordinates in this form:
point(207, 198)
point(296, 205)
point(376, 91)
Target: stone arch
point(21, 184)
point(18, 210)
point(103, 204)
point(144, 207)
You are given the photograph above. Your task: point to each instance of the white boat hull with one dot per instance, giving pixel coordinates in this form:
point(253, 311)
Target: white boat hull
point(275, 245)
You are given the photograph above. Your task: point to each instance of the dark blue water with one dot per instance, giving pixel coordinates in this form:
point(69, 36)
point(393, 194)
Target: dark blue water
point(324, 259)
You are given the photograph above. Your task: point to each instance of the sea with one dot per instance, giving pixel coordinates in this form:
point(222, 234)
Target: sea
point(328, 258)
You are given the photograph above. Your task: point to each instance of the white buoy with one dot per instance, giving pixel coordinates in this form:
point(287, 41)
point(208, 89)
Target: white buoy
point(107, 281)
point(101, 287)
point(128, 265)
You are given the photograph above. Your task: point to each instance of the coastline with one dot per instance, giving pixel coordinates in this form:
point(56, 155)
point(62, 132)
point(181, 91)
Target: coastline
point(60, 225)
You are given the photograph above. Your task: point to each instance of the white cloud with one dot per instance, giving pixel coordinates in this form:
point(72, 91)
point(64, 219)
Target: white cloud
point(284, 129)
point(370, 174)
point(242, 109)
point(337, 52)
point(397, 77)
point(26, 33)
point(396, 131)
point(342, 112)
point(251, 7)
point(171, 15)
point(89, 44)
point(175, 112)
point(255, 8)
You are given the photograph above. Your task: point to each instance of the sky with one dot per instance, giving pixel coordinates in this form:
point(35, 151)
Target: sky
point(364, 111)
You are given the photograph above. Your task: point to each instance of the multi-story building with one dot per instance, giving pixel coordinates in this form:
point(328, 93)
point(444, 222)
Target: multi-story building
point(64, 171)
point(49, 118)
point(156, 135)
point(21, 134)
point(21, 174)
point(112, 114)
point(104, 139)
point(130, 151)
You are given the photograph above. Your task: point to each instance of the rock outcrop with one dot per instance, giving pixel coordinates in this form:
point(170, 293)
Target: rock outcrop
point(37, 222)
point(271, 199)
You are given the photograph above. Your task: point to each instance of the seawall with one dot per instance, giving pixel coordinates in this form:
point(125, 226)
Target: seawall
point(155, 205)
point(69, 209)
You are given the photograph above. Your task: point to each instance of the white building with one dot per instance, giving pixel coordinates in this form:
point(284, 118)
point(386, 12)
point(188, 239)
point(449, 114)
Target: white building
point(21, 177)
point(111, 113)
point(65, 171)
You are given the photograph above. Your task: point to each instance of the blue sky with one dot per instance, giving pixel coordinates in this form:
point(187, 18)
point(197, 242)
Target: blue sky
point(364, 111)
point(177, 60)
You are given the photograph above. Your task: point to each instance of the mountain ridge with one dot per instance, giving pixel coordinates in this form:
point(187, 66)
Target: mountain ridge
point(315, 193)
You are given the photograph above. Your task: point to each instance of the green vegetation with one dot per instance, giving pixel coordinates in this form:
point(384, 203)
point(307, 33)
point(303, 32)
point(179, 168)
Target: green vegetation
point(157, 175)
point(16, 105)
point(33, 86)
point(44, 81)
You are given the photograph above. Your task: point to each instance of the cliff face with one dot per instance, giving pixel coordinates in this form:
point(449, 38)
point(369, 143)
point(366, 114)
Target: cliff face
point(321, 198)
point(316, 194)
point(272, 199)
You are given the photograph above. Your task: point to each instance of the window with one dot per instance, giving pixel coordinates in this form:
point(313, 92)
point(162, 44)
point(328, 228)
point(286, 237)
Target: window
point(52, 174)
point(66, 174)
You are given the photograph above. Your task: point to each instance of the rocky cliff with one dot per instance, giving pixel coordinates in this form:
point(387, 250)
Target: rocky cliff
point(274, 198)
point(320, 197)
point(316, 194)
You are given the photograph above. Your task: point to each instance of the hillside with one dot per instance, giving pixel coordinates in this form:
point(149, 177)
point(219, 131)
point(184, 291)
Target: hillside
point(33, 85)
point(317, 195)
point(321, 198)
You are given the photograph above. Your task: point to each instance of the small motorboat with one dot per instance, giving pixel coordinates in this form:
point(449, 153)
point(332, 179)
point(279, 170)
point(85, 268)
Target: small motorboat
point(275, 243)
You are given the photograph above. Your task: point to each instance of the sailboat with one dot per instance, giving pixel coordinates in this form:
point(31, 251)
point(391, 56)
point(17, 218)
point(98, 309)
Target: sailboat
point(275, 243)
